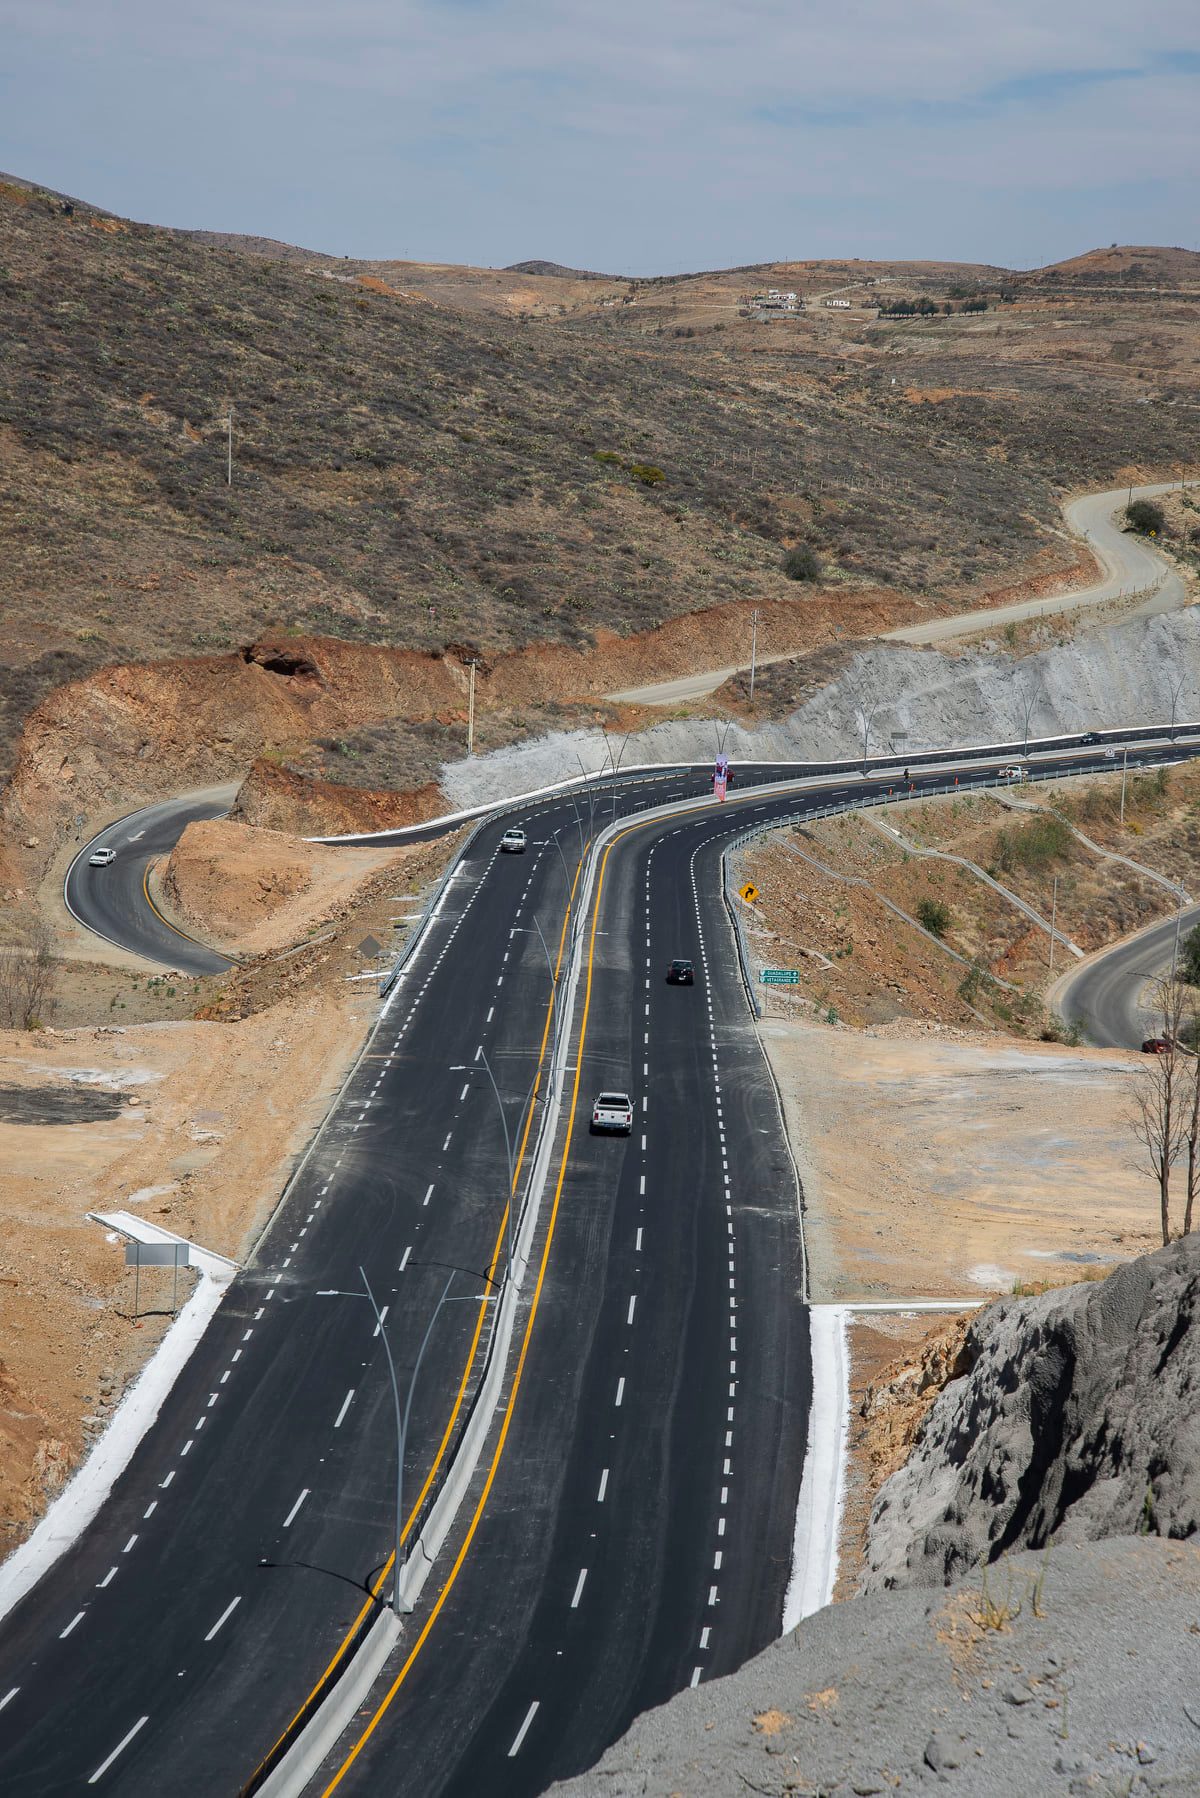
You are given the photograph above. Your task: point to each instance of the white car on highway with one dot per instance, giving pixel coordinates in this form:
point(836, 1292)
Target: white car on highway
point(1016, 772)
point(612, 1114)
point(513, 841)
point(102, 858)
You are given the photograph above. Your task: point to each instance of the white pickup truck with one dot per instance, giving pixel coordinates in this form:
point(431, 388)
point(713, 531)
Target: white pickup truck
point(612, 1113)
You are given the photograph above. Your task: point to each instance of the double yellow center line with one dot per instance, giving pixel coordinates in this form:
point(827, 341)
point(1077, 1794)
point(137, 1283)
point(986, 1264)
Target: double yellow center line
point(377, 1586)
point(477, 1515)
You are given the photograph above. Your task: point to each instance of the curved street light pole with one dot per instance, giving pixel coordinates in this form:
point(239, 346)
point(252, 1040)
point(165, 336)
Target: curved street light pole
point(401, 1418)
point(469, 1068)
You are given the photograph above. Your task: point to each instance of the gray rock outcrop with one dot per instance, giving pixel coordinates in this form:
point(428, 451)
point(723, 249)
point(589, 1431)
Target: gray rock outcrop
point(1074, 1673)
point(1079, 1419)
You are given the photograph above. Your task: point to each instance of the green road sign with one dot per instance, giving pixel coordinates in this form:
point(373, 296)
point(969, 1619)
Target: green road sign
point(780, 977)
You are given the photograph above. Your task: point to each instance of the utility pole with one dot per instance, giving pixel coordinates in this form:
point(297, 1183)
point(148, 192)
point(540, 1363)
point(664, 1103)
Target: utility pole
point(229, 448)
point(1053, 922)
point(1176, 690)
point(471, 709)
point(753, 650)
point(1124, 771)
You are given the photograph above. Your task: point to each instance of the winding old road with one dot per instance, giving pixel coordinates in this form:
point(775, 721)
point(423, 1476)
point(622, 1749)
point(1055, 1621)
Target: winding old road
point(1130, 565)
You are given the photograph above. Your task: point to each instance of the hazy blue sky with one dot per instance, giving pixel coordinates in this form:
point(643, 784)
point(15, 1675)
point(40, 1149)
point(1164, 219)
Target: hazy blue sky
point(621, 135)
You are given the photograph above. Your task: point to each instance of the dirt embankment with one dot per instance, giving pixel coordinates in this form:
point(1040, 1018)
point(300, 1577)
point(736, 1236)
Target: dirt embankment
point(258, 890)
point(140, 731)
point(145, 730)
point(859, 963)
point(193, 1122)
point(276, 798)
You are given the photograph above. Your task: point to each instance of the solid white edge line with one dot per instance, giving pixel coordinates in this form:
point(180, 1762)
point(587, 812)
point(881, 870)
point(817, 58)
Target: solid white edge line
point(530, 1714)
point(102, 1769)
point(819, 1506)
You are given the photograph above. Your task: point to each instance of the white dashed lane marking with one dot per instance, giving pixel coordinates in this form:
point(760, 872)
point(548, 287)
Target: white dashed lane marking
point(291, 1516)
point(102, 1769)
point(530, 1714)
point(226, 1614)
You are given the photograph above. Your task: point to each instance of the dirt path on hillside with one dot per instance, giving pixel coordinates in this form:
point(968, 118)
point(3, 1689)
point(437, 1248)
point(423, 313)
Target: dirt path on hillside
point(1110, 565)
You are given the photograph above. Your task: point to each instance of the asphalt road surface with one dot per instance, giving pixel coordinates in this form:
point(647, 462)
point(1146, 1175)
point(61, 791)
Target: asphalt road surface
point(635, 1531)
point(1110, 999)
point(115, 902)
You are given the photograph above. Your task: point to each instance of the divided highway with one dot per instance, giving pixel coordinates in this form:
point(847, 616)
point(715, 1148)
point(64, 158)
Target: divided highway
point(629, 1531)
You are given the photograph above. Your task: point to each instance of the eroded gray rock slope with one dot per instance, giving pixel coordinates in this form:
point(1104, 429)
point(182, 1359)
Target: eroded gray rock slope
point(1089, 1685)
point(922, 699)
point(1080, 1418)
point(1072, 1668)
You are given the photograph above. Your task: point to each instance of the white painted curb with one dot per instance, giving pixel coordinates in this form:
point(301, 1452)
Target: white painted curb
point(819, 1510)
point(299, 1765)
point(78, 1504)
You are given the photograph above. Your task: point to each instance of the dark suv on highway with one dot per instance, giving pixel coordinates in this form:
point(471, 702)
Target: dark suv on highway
point(681, 973)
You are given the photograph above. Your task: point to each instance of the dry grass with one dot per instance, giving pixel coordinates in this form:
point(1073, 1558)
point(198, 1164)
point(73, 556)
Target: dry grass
point(412, 475)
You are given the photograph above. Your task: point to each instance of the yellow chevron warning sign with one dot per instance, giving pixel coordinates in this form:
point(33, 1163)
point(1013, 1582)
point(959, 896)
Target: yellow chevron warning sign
point(749, 892)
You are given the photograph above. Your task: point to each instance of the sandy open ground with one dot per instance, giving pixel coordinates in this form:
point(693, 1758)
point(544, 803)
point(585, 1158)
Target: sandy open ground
point(193, 1123)
point(937, 1164)
point(944, 1165)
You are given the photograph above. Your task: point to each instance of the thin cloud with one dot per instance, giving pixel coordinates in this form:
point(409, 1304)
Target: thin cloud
point(690, 133)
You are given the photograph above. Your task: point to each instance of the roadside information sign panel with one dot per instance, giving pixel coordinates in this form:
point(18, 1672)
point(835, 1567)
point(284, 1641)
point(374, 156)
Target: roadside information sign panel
point(780, 977)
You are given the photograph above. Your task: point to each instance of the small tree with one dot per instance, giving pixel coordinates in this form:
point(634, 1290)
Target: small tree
point(1144, 516)
point(802, 563)
point(935, 916)
point(27, 980)
point(1166, 1100)
point(1188, 965)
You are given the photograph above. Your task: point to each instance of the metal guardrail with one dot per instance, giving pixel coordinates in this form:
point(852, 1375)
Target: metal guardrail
point(834, 808)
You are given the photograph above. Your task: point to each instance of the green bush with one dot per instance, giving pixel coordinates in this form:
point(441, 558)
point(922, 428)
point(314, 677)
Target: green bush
point(1034, 845)
point(647, 473)
point(802, 563)
point(935, 916)
point(1188, 965)
point(1144, 516)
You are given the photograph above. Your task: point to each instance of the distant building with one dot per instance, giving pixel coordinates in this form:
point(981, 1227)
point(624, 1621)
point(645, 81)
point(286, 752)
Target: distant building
point(775, 300)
